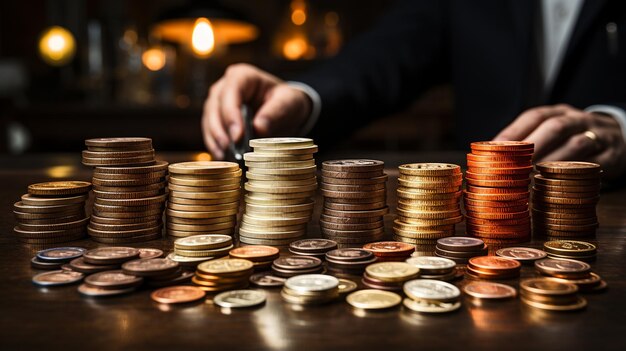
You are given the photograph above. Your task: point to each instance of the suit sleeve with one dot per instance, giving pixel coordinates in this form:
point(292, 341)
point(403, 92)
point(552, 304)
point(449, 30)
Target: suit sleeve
point(383, 70)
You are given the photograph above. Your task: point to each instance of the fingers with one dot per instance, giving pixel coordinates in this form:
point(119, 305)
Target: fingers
point(529, 120)
point(284, 112)
point(552, 133)
point(270, 112)
point(209, 116)
point(577, 147)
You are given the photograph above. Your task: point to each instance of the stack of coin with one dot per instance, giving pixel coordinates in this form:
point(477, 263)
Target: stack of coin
point(290, 266)
point(348, 261)
point(493, 267)
point(525, 255)
point(431, 296)
point(109, 283)
point(551, 295)
point(281, 184)
point(129, 188)
point(574, 249)
point(389, 276)
point(386, 251)
point(261, 256)
point(432, 267)
point(204, 198)
point(56, 257)
point(564, 200)
point(52, 212)
point(460, 248)
point(571, 271)
point(310, 289)
point(192, 250)
point(109, 258)
point(312, 247)
point(428, 202)
point(223, 274)
point(496, 197)
point(355, 201)
point(157, 272)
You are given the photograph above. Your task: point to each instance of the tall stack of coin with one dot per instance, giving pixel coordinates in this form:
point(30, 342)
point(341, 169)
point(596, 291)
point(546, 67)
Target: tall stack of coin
point(564, 200)
point(355, 201)
point(281, 184)
point(204, 198)
point(52, 212)
point(428, 202)
point(129, 188)
point(496, 197)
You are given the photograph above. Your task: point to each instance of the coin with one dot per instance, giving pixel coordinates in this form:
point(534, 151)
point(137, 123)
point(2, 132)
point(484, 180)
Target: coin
point(570, 248)
point(562, 268)
point(56, 278)
point(93, 291)
point(312, 282)
point(147, 267)
point(489, 290)
point(297, 262)
point(431, 290)
point(255, 253)
point(79, 265)
point(392, 271)
point(460, 243)
point(568, 167)
point(267, 279)
point(177, 294)
point(432, 264)
point(518, 146)
point(390, 248)
point(429, 169)
point(70, 187)
point(281, 142)
point(346, 286)
point(228, 266)
point(371, 299)
point(203, 242)
point(113, 280)
point(522, 254)
point(239, 298)
point(60, 254)
point(431, 307)
point(110, 255)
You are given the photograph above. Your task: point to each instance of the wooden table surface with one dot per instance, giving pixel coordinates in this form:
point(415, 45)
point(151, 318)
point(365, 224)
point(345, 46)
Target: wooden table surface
point(59, 318)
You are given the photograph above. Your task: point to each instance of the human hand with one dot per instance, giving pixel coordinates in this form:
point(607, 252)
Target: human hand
point(281, 109)
point(564, 133)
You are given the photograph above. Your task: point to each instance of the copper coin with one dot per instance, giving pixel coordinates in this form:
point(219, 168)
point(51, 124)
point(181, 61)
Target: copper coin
point(255, 253)
point(483, 215)
point(486, 203)
point(390, 248)
point(504, 171)
point(159, 166)
point(499, 183)
point(563, 268)
point(111, 255)
point(498, 197)
point(69, 187)
point(113, 280)
point(494, 263)
point(502, 145)
point(540, 179)
point(568, 167)
point(500, 177)
point(498, 164)
point(488, 290)
point(500, 158)
point(490, 190)
point(177, 294)
point(512, 209)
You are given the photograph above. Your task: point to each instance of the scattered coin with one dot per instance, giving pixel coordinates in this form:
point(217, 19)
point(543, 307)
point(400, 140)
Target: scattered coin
point(239, 298)
point(372, 299)
point(177, 294)
point(56, 278)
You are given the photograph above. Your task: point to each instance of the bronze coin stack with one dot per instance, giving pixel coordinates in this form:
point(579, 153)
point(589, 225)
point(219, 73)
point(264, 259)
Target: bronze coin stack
point(551, 295)
point(129, 187)
point(290, 266)
point(496, 197)
point(157, 272)
point(493, 267)
point(349, 261)
point(355, 201)
point(571, 271)
point(52, 212)
point(565, 195)
point(281, 183)
point(195, 249)
point(204, 198)
point(223, 274)
point(428, 202)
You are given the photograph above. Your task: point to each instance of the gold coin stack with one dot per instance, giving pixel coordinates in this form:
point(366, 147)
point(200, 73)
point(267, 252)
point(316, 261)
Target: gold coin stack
point(281, 184)
point(194, 249)
point(428, 202)
point(564, 199)
point(389, 275)
point(355, 201)
point(129, 188)
point(52, 212)
point(223, 274)
point(204, 198)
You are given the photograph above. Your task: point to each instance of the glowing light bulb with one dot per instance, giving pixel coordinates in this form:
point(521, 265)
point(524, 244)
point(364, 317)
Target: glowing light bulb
point(57, 46)
point(202, 38)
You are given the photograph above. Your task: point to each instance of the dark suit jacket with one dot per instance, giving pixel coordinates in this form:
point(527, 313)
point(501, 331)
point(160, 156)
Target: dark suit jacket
point(485, 49)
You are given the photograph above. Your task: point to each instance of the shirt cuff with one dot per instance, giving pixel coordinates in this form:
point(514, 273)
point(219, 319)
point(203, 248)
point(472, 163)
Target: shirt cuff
point(613, 111)
point(316, 105)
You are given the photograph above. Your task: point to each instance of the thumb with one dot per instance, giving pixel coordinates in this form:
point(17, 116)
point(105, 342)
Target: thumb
point(269, 115)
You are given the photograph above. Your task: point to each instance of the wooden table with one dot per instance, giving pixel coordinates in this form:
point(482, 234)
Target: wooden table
point(59, 318)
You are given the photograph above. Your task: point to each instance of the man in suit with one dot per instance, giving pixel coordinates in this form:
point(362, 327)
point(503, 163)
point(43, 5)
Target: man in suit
point(552, 72)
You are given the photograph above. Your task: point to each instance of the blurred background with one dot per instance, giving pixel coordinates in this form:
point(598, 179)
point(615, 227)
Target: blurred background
point(76, 69)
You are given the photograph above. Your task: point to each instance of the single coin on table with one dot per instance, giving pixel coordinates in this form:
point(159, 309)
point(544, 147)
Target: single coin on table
point(431, 290)
point(239, 298)
point(111, 255)
point(312, 282)
point(372, 299)
point(431, 306)
point(61, 254)
point(177, 294)
point(56, 278)
point(522, 254)
point(489, 290)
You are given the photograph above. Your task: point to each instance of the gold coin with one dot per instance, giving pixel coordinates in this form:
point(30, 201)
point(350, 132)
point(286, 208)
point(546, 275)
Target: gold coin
point(431, 306)
point(204, 253)
point(267, 196)
point(211, 214)
point(280, 209)
point(431, 179)
point(200, 227)
point(203, 189)
point(281, 142)
point(372, 299)
point(255, 157)
point(226, 266)
point(206, 196)
point(68, 187)
point(204, 208)
point(262, 214)
point(272, 235)
point(392, 271)
point(277, 221)
point(422, 234)
point(277, 189)
point(429, 214)
point(280, 164)
point(202, 202)
point(203, 167)
point(203, 242)
point(309, 170)
point(255, 199)
point(272, 183)
point(204, 182)
point(430, 169)
point(422, 196)
point(262, 228)
point(251, 175)
point(216, 176)
point(429, 185)
point(215, 220)
point(286, 151)
point(185, 234)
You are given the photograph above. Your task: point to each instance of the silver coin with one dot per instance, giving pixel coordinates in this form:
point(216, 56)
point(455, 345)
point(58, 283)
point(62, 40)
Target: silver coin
point(184, 259)
point(61, 253)
point(239, 298)
point(431, 263)
point(149, 264)
point(432, 290)
point(312, 282)
point(56, 278)
point(202, 240)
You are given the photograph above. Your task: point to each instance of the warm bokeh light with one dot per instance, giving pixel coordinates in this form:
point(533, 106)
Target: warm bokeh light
point(202, 38)
point(154, 58)
point(203, 156)
point(60, 171)
point(298, 17)
point(295, 48)
point(331, 19)
point(225, 31)
point(57, 46)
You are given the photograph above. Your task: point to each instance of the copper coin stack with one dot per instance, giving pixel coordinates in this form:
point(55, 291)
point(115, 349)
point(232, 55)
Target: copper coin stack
point(129, 188)
point(204, 198)
point(355, 201)
point(389, 276)
point(390, 251)
point(195, 249)
point(565, 195)
point(103, 264)
point(496, 197)
point(349, 261)
point(571, 271)
point(460, 249)
point(52, 212)
point(493, 267)
point(223, 274)
point(428, 202)
point(290, 266)
point(550, 295)
point(312, 247)
point(281, 183)
point(261, 256)
point(110, 258)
